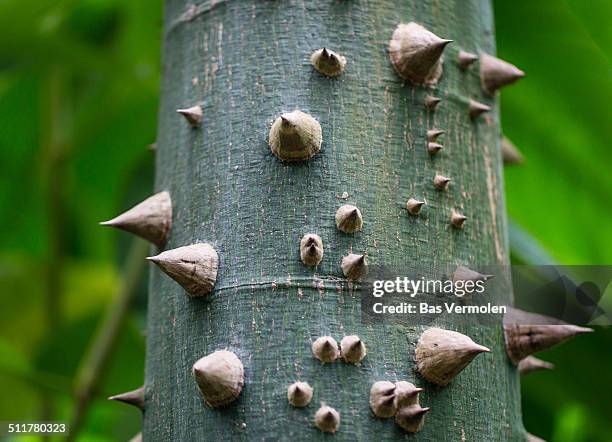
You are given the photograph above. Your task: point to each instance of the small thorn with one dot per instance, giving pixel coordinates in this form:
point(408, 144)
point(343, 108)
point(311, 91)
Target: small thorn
point(299, 394)
point(532, 438)
point(431, 102)
point(414, 206)
point(441, 182)
point(354, 266)
point(463, 273)
point(328, 62)
point(349, 219)
point(434, 148)
point(355, 345)
point(458, 220)
point(480, 349)
point(134, 397)
point(496, 73)
point(476, 108)
point(527, 333)
point(433, 134)
point(422, 411)
point(510, 153)
point(150, 219)
point(530, 364)
point(193, 115)
point(465, 59)
point(327, 419)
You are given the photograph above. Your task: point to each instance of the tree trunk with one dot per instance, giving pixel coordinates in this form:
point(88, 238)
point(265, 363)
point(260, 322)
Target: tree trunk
point(246, 62)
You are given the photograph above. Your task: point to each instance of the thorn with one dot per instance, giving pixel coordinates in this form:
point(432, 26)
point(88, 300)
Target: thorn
point(327, 419)
point(433, 134)
point(527, 333)
point(414, 206)
point(431, 102)
point(411, 418)
point(194, 267)
point(416, 53)
point(532, 438)
point(354, 266)
point(442, 354)
point(465, 59)
point(295, 136)
point(134, 397)
point(496, 73)
point(311, 249)
point(475, 109)
point(327, 62)
point(441, 182)
point(510, 153)
point(531, 364)
point(355, 344)
point(299, 394)
point(325, 349)
point(406, 394)
point(151, 219)
point(434, 148)
point(422, 411)
point(463, 273)
point(193, 115)
point(349, 219)
point(352, 349)
point(382, 399)
point(220, 377)
point(458, 220)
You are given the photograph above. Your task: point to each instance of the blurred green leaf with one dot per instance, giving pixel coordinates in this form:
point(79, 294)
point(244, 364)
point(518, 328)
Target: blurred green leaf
point(560, 118)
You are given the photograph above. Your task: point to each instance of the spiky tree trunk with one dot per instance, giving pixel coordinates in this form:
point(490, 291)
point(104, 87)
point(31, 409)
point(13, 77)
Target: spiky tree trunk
point(246, 62)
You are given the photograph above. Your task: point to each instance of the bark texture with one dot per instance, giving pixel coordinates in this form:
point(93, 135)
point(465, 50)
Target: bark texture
point(246, 62)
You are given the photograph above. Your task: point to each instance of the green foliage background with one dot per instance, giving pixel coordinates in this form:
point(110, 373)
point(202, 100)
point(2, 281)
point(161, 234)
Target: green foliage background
point(79, 87)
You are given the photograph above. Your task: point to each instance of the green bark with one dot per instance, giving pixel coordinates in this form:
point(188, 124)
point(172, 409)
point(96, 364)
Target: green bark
point(251, 61)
